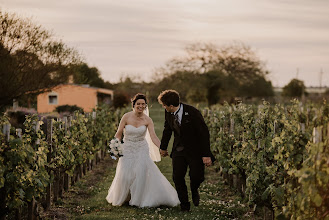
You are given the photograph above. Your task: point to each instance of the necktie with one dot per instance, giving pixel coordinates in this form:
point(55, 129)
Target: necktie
point(177, 119)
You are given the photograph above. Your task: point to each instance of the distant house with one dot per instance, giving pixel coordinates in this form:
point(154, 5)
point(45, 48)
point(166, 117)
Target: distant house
point(83, 96)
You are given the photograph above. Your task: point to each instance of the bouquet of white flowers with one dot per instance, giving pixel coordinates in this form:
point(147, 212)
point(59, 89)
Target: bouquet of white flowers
point(115, 148)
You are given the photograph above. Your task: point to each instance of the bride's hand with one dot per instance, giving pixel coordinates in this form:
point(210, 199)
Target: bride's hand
point(207, 161)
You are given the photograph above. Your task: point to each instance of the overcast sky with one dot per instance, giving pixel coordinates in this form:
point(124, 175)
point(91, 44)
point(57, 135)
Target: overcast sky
point(133, 37)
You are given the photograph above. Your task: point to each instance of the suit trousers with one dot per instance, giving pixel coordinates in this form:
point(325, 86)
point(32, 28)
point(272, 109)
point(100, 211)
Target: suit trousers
point(180, 163)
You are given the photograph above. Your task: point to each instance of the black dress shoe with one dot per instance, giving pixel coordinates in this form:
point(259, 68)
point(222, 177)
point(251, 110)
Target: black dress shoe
point(185, 207)
point(196, 198)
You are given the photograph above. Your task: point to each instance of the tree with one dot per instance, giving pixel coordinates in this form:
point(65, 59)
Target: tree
point(83, 74)
point(199, 58)
point(295, 88)
point(129, 86)
point(225, 72)
point(197, 95)
point(260, 87)
point(31, 60)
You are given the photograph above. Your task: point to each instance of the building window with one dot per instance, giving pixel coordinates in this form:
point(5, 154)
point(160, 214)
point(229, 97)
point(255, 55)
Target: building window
point(52, 99)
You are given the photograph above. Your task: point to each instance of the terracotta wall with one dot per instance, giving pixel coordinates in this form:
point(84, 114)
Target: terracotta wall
point(85, 98)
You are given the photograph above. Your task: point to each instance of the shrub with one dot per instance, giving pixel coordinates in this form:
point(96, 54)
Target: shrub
point(68, 108)
point(120, 100)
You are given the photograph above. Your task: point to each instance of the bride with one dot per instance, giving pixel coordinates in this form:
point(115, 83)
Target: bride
point(137, 179)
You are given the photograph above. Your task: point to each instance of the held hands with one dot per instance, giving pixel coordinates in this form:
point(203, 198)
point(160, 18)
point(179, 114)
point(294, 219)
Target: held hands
point(207, 161)
point(163, 153)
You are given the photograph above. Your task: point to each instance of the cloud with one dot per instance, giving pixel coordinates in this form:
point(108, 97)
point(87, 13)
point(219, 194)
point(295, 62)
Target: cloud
point(135, 36)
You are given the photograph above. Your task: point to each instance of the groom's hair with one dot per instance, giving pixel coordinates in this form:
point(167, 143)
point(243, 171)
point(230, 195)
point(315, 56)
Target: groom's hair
point(169, 97)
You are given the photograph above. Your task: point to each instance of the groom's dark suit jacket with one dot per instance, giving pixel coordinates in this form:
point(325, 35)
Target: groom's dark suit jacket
point(193, 134)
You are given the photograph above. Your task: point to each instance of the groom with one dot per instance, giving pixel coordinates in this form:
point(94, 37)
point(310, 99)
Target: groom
point(191, 146)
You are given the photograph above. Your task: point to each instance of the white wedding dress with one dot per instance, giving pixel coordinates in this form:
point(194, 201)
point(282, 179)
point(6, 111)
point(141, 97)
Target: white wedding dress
point(137, 178)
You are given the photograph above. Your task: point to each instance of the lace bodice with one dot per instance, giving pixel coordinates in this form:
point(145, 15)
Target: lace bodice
point(134, 134)
point(135, 143)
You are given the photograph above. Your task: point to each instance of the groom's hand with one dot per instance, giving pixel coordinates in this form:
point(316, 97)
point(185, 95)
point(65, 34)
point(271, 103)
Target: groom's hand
point(207, 161)
point(164, 153)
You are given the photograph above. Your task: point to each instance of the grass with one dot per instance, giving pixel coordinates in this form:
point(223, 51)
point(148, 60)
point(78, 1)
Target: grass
point(86, 200)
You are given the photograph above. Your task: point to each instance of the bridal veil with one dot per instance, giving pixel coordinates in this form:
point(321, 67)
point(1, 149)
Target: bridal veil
point(153, 149)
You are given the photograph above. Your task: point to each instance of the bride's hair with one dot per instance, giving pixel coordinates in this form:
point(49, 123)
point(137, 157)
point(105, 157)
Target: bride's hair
point(138, 96)
point(169, 97)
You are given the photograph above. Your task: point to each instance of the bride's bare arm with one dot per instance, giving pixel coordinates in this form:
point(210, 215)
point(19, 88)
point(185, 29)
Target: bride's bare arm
point(153, 136)
point(122, 124)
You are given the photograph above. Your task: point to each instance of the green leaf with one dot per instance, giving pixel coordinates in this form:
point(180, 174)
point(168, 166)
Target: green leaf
point(317, 200)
